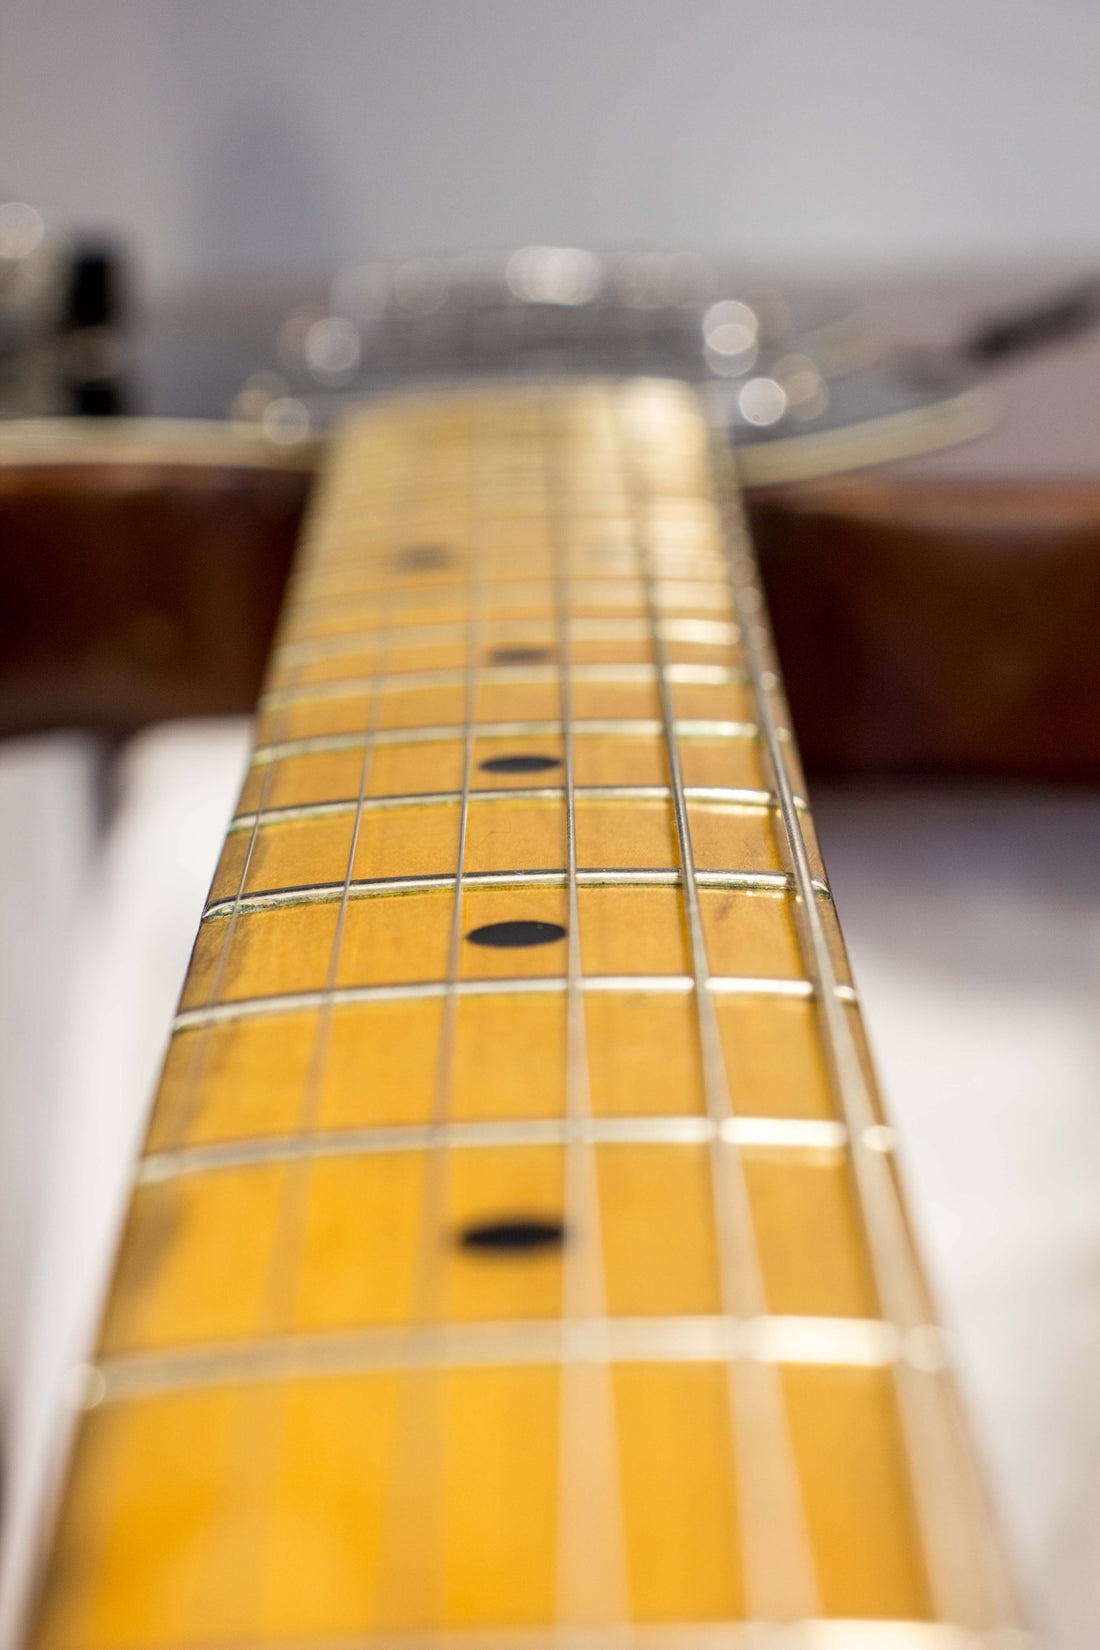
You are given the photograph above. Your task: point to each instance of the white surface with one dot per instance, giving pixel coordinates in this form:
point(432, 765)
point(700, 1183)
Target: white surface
point(973, 918)
point(974, 922)
point(48, 832)
point(266, 140)
point(130, 935)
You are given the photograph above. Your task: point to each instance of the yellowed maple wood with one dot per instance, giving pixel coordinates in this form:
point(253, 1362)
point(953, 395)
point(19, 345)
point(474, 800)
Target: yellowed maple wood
point(278, 1454)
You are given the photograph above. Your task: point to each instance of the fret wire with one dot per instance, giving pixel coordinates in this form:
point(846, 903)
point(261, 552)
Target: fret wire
point(593, 563)
point(783, 1134)
point(593, 592)
point(293, 1002)
point(591, 1581)
point(528, 511)
point(965, 1572)
point(765, 1342)
point(732, 797)
point(779, 1574)
point(867, 1633)
point(681, 514)
point(324, 893)
point(632, 727)
point(598, 544)
point(596, 573)
point(348, 687)
point(692, 632)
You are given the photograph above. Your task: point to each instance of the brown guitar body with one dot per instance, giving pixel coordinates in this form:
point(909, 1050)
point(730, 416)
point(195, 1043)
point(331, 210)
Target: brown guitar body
point(938, 627)
point(925, 625)
point(139, 592)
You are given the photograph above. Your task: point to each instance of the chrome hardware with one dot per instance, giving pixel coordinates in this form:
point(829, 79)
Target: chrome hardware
point(551, 309)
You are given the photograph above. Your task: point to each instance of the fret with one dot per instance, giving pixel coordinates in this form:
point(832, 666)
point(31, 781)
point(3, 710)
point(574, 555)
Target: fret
point(510, 601)
point(586, 590)
point(785, 1134)
point(321, 893)
point(639, 727)
point(600, 699)
point(279, 946)
point(313, 656)
point(695, 675)
point(288, 1002)
point(686, 1338)
point(516, 1254)
point(733, 797)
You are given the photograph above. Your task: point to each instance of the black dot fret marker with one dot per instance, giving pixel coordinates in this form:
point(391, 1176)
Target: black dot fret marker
point(519, 655)
point(423, 557)
point(519, 764)
point(516, 1235)
point(520, 931)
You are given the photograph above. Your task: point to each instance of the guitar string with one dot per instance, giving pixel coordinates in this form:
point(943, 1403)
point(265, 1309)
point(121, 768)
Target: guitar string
point(249, 1450)
point(185, 1103)
point(412, 1498)
point(293, 1201)
point(592, 1589)
point(224, 1584)
point(779, 1575)
point(965, 1569)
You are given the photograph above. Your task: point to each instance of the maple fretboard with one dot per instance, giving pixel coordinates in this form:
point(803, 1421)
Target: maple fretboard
point(517, 1255)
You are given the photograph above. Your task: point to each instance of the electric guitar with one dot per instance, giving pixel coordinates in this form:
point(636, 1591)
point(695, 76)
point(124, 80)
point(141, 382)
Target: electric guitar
point(517, 1255)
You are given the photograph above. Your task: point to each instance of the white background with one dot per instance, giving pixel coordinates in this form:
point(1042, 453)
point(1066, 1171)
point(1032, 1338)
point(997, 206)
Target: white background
point(268, 139)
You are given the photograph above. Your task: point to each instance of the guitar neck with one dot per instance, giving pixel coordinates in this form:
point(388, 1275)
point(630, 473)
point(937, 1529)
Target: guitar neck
point(517, 1256)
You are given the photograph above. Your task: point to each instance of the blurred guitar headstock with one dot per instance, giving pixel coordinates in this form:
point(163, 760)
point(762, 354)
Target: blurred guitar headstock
point(795, 383)
point(62, 320)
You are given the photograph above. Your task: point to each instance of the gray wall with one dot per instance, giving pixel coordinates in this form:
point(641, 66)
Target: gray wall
point(245, 139)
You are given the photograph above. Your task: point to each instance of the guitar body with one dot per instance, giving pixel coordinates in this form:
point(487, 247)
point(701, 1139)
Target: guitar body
point(926, 625)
